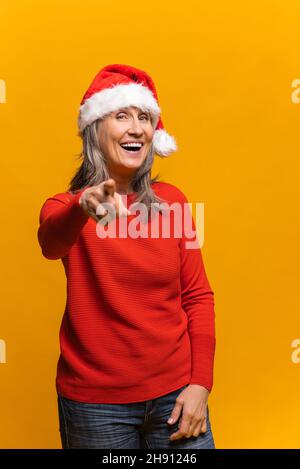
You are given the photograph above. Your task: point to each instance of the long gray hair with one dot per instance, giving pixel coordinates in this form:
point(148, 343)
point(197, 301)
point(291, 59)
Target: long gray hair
point(93, 169)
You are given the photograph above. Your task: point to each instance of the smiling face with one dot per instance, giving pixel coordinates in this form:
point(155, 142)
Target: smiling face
point(127, 125)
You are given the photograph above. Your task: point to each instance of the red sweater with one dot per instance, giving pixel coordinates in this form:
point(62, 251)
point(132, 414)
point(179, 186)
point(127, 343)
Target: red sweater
point(139, 315)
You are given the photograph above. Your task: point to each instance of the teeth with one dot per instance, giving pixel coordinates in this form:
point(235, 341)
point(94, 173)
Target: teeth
point(131, 145)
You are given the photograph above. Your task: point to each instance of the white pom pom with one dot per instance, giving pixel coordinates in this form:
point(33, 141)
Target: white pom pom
point(163, 143)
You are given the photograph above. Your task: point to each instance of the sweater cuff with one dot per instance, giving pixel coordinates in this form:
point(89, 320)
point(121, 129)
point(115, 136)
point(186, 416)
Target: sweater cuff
point(202, 360)
point(80, 216)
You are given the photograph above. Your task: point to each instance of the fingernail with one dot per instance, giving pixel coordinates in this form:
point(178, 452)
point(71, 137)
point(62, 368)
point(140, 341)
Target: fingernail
point(170, 420)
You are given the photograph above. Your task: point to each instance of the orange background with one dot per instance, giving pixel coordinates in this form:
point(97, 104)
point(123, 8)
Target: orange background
point(223, 73)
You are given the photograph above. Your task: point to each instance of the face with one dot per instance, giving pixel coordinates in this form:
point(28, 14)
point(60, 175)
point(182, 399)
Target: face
point(124, 126)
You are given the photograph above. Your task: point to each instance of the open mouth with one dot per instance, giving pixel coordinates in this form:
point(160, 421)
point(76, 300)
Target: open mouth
point(132, 148)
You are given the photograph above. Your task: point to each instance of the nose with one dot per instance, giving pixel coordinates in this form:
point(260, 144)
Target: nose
point(135, 127)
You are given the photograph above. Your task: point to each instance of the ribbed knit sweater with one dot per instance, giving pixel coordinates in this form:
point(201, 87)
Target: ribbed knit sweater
point(139, 319)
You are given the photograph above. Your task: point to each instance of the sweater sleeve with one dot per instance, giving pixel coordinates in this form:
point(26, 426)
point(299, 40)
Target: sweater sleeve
point(61, 220)
point(197, 300)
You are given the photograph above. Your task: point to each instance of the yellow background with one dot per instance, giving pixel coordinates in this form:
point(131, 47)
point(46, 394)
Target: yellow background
point(223, 73)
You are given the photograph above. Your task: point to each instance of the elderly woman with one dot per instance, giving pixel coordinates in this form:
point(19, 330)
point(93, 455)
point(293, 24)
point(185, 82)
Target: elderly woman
point(137, 337)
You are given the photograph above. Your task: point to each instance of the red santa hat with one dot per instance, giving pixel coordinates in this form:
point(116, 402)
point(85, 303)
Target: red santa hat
point(116, 86)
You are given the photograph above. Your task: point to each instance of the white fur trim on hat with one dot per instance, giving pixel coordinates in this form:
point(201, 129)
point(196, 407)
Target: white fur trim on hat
point(163, 143)
point(118, 96)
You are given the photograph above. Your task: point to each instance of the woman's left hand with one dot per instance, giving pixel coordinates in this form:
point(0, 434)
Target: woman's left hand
point(192, 401)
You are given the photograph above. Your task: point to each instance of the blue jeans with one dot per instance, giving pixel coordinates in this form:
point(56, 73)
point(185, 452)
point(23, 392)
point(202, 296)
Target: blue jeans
point(129, 426)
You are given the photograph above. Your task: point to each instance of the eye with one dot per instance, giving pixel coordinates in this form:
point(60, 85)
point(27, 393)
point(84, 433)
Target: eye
point(123, 114)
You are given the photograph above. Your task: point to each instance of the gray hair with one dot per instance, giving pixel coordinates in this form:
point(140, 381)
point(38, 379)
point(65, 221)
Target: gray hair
point(93, 169)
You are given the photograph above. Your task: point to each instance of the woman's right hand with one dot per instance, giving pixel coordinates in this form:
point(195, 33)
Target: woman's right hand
point(91, 199)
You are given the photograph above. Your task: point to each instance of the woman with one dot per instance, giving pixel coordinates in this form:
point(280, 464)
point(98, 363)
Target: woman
point(137, 337)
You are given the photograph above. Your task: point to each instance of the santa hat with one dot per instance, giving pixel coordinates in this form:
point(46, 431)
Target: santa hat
point(116, 86)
